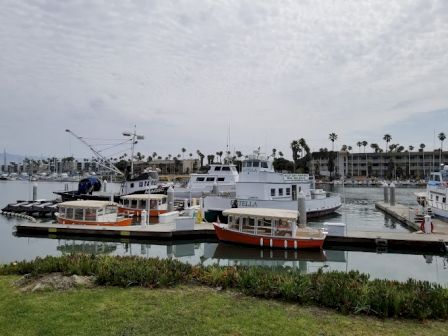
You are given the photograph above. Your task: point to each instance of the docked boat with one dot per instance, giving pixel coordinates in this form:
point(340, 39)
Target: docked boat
point(436, 195)
point(274, 228)
point(259, 186)
point(133, 205)
point(91, 213)
point(224, 176)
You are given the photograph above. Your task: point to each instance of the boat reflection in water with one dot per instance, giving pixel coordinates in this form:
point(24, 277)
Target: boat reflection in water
point(96, 247)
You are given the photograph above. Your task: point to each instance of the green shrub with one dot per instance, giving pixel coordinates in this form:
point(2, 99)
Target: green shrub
point(351, 292)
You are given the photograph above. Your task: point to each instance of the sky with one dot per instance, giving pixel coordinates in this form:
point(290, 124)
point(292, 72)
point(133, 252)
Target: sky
point(190, 73)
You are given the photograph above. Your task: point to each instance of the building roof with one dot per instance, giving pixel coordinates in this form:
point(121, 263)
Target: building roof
point(86, 204)
point(143, 196)
point(262, 212)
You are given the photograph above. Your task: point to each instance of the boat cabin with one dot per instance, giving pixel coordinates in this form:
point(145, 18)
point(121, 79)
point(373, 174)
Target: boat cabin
point(262, 221)
point(90, 212)
point(134, 204)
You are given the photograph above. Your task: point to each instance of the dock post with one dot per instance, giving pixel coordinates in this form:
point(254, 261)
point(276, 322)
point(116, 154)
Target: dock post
point(392, 194)
point(302, 210)
point(105, 185)
point(148, 205)
point(386, 192)
point(170, 199)
point(427, 224)
point(34, 191)
point(143, 218)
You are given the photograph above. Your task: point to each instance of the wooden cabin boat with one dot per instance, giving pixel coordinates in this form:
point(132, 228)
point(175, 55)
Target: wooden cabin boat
point(86, 212)
point(134, 204)
point(275, 228)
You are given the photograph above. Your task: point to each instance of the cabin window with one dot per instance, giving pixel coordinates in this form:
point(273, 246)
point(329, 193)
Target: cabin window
point(110, 210)
point(210, 179)
point(220, 179)
point(143, 204)
point(69, 214)
point(79, 214)
point(153, 204)
point(256, 164)
point(134, 204)
point(280, 191)
point(264, 164)
point(288, 191)
point(218, 168)
point(163, 200)
point(140, 184)
point(100, 212)
point(251, 221)
point(272, 192)
point(437, 178)
point(91, 214)
point(444, 200)
point(199, 179)
point(132, 185)
point(225, 168)
point(437, 198)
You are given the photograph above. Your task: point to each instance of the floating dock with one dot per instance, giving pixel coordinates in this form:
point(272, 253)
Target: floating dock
point(379, 241)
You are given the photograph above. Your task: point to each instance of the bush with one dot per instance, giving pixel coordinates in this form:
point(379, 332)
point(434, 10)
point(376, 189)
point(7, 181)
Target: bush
point(351, 292)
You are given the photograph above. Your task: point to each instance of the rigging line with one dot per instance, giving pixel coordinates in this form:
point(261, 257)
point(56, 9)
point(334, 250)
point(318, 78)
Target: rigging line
point(106, 139)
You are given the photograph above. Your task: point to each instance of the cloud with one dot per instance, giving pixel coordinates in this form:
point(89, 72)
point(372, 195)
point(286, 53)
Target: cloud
point(181, 71)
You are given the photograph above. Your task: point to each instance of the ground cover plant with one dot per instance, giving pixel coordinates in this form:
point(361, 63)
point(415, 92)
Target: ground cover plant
point(350, 292)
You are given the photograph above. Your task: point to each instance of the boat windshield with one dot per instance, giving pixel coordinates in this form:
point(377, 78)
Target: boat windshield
point(445, 175)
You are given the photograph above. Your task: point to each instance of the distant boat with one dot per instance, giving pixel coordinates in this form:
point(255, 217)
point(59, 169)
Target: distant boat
point(272, 228)
point(436, 195)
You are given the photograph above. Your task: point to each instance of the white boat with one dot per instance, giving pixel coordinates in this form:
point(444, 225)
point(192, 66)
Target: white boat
point(259, 186)
point(224, 176)
point(437, 193)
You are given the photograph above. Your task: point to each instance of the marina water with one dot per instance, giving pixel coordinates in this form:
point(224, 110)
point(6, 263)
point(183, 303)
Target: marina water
point(358, 213)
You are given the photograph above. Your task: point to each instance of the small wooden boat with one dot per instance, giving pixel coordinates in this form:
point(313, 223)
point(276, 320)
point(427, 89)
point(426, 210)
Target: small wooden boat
point(134, 204)
point(91, 213)
point(275, 228)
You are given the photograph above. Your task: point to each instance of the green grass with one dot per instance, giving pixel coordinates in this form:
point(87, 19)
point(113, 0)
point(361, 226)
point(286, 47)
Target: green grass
point(183, 310)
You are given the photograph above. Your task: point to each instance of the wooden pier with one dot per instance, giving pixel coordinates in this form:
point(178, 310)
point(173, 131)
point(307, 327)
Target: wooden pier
point(377, 241)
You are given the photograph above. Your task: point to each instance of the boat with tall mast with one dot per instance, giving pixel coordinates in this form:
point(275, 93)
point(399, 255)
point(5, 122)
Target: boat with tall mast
point(90, 187)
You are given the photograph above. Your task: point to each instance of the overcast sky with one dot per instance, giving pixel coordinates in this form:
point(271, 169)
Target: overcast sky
point(183, 71)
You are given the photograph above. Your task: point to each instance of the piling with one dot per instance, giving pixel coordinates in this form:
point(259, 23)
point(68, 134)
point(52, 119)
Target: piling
point(427, 224)
point(386, 192)
point(148, 204)
point(34, 191)
point(302, 210)
point(392, 194)
point(170, 199)
point(143, 218)
point(105, 185)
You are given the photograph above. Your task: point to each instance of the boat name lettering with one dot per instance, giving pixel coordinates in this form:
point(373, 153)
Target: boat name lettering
point(247, 204)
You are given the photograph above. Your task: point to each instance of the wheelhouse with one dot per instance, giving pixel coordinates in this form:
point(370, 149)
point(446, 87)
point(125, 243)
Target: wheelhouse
point(139, 201)
point(88, 211)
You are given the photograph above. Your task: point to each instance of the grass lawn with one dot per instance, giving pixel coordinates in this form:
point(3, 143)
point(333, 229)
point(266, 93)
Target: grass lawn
point(186, 310)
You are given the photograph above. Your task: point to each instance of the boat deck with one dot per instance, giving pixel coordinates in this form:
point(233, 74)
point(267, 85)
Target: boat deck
point(381, 241)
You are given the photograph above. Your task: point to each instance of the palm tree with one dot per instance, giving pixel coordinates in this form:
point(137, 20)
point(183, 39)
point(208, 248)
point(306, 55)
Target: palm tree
point(359, 144)
point(411, 148)
point(201, 157)
point(183, 152)
point(295, 147)
point(274, 151)
point(154, 155)
point(364, 143)
point(349, 149)
point(220, 156)
point(280, 153)
point(442, 138)
point(387, 138)
point(332, 137)
point(422, 148)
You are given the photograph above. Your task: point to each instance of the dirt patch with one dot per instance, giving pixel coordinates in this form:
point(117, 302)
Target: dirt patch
point(53, 281)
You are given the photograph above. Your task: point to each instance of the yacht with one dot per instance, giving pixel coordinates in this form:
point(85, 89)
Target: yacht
point(259, 186)
point(224, 176)
point(437, 193)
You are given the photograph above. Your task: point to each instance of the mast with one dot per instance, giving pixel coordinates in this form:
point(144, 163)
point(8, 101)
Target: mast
point(135, 137)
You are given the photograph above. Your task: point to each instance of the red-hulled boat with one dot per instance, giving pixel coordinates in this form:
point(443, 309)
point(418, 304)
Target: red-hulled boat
point(274, 228)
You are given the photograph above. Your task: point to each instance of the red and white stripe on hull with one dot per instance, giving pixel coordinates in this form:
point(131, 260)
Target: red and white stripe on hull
point(119, 222)
point(298, 242)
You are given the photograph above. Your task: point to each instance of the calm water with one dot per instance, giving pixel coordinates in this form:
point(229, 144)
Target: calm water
point(358, 212)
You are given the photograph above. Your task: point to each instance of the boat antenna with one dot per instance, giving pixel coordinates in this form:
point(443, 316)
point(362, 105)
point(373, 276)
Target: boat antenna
point(103, 161)
point(135, 137)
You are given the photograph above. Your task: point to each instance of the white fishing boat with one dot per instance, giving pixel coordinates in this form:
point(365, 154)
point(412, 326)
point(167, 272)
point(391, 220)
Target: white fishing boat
point(259, 186)
point(435, 197)
point(225, 176)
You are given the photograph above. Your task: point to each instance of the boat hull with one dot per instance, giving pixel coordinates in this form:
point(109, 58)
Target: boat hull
point(232, 236)
point(119, 222)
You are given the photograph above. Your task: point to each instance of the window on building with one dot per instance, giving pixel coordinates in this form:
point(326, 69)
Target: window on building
point(256, 164)
point(264, 164)
point(225, 168)
point(288, 191)
point(272, 192)
point(280, 191)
